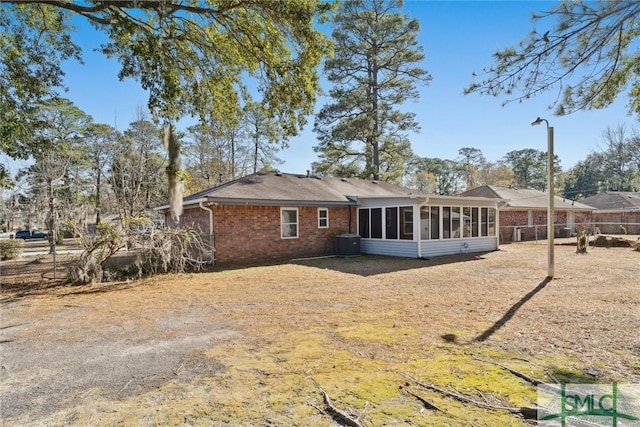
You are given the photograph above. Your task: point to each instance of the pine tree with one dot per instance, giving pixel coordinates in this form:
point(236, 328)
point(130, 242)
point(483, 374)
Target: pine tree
point(374, 71)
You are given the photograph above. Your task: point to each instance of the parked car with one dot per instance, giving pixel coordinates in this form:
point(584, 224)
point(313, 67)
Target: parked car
point(33, 234)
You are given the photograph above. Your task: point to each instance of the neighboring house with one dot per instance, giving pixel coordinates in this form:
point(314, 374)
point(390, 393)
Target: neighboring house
point(523, 213)
point(614, 210)
point(271, 216)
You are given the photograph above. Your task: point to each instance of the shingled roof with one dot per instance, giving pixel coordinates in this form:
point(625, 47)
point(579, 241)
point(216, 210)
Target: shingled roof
point(525, 198)
point(614, 200)
point(274, 188)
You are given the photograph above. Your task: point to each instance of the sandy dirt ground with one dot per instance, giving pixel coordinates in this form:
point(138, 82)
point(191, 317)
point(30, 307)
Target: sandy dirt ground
point(256, 346)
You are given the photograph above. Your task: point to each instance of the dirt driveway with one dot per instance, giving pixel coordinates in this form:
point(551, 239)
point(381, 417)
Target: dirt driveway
point(256, 346)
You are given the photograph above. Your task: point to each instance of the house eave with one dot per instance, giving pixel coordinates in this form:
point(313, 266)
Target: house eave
point(617, 211)
point(281, 202)
point(542, 208)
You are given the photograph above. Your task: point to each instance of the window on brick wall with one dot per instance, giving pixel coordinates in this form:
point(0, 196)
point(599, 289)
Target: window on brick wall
point(323, 218)
point(289, 223)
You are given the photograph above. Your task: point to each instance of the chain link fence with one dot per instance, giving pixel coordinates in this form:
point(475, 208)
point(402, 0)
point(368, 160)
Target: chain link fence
point(525, 232)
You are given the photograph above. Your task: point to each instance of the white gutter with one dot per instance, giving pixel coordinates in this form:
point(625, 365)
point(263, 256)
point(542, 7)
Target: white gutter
point(210, 230)
point(190, 202)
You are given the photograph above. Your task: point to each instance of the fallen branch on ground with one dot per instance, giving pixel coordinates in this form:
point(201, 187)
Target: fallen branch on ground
point(338, 415)
point(425, 402)
point(525, 412)
point(521, 375)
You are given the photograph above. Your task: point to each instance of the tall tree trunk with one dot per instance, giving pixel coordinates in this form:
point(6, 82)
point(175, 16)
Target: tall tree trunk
point(51, 222)
point(172, 144)
point(233, 155)
point(255, 153)
point(375, 134)
point(98, 196)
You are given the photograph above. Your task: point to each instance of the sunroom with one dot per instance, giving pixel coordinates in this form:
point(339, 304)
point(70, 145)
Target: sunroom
point(427, 226)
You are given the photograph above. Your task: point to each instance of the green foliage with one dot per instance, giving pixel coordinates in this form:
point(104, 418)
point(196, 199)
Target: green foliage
point(589, 54)
point(530, 167)
point(193, 58)
point(472, 161)
point(362, 132)
point(446, 174)
point(34, 41)
point(11, 249)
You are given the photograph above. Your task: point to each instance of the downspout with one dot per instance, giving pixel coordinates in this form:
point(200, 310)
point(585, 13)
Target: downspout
point(350, 207)
point(211, 241)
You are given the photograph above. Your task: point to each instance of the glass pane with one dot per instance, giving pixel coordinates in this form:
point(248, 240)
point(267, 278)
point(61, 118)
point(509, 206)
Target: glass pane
point(483, 221)
point(474, 222)
point(466, 221)
point(407, 222)
point(424, 223)
point(363, 222)
point(492, 222)
point(446, 222)
point(391, 229)
point(376, 223)
point(289, 230)
point(435, 222)
point(455, 222)
point(323, 213)
point(289, 216)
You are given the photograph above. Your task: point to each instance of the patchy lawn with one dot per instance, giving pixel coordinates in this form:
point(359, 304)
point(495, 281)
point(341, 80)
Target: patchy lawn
point(255, 346)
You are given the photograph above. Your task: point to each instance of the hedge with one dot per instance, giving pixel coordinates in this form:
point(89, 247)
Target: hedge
point(11, 249)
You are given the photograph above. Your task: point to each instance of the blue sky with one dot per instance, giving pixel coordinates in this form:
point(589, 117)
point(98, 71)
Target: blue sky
point(458, 38)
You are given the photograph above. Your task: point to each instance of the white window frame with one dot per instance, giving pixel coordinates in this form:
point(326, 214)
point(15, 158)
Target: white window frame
point(282, 223)
point(326, 218)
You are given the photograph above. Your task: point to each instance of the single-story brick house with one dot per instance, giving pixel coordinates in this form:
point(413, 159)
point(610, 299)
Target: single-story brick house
point(272, 216)
point(523, 213)
point(614, 210)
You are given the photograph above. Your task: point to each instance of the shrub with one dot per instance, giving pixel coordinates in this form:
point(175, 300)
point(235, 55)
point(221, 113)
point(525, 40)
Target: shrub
point(11, 249)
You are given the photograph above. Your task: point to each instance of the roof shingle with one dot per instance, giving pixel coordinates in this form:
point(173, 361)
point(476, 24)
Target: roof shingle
point(270, 187)
point(526, 198)
point(614, 200)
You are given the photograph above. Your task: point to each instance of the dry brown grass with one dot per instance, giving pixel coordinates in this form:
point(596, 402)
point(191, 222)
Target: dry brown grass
point(247, 346)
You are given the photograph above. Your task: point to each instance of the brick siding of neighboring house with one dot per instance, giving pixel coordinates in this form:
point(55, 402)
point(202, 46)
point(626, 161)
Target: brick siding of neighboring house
point(613, 222)
point(510, 219)
point(249, 234)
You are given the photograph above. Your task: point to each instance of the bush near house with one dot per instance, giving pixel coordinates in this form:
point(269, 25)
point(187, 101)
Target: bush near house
point(11, 249)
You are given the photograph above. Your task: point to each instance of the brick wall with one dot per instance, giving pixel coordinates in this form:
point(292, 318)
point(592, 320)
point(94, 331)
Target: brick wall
point(609, 223)
point(510, 219)
point(246, 234)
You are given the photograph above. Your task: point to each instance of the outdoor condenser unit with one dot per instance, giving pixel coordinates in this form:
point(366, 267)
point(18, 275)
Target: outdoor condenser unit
point(348, 245)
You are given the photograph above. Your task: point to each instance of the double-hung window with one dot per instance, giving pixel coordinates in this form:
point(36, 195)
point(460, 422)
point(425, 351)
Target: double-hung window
point(323, 218)
point(289, 223)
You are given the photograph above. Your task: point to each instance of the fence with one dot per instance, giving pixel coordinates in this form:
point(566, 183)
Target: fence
point(516, 233)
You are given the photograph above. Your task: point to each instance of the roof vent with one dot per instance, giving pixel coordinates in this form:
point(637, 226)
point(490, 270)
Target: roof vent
point(374, 182)
point(344, 180)
point(278, 174)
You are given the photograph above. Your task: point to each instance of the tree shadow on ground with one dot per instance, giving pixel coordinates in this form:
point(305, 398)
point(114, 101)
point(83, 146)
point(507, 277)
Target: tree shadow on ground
point(371, 265)
point(511, 312)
